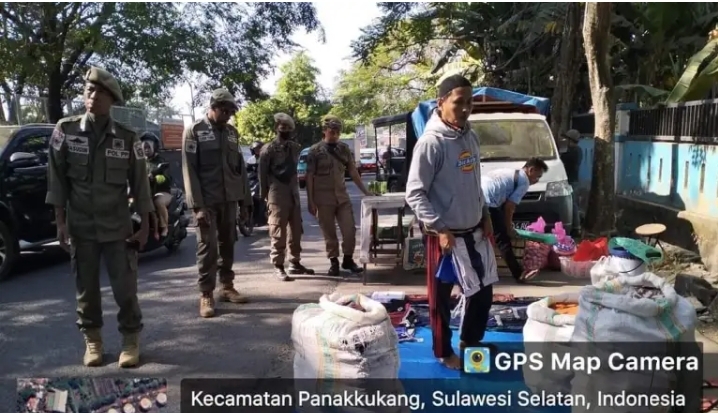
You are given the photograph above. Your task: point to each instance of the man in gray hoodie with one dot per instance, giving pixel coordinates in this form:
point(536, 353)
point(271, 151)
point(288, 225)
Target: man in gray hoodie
point(444, 191)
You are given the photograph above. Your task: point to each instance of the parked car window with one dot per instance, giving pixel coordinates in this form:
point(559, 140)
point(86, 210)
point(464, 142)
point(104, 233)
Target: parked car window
point(36, 143)
point(6, 133)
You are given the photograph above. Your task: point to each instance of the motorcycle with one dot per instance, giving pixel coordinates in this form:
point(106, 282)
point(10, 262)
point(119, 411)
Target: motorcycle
point(177, 222)
point(257, 212)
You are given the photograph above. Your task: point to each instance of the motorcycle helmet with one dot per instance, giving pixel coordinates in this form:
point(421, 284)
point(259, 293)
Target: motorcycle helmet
point(153, 139)
point(255, 147)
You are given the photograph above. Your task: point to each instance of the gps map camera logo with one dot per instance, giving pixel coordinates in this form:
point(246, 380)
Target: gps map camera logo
point(477, 360)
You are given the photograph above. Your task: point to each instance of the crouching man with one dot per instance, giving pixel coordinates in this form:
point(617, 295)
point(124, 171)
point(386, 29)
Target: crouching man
point(444, 191)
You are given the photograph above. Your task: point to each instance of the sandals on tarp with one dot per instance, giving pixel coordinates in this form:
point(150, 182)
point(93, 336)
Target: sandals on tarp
point(637, 248)
point(710, 404)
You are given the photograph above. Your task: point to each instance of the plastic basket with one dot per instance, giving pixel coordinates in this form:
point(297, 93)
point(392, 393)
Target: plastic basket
point(576, 269)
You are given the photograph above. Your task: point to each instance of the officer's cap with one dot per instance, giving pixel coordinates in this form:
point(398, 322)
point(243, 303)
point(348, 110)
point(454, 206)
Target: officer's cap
point(222, 95)
point(284, 119)
point(331, 121)
point(573, 135)
point(106, 80)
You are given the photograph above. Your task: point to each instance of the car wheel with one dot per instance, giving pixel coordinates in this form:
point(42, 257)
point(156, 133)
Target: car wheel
point(9, 251)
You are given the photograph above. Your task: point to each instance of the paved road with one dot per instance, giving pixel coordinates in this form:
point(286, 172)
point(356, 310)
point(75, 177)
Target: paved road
point(38, 337)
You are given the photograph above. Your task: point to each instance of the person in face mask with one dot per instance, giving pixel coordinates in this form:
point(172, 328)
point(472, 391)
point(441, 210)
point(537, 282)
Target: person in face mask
point(279, 188)
point(328, 199)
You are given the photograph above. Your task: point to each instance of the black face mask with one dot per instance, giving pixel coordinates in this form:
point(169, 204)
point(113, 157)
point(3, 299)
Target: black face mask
point(284, 134)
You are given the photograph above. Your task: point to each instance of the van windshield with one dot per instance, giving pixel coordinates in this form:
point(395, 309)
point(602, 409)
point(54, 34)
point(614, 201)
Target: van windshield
point(514, 140)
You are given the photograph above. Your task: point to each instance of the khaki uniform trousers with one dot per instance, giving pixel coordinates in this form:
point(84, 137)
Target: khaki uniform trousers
point(121, 263)
point(215, 246)
point(285, 227)
point(331, 215)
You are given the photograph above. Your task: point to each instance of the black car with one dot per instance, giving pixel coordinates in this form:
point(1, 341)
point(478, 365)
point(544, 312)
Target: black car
point(26, 221)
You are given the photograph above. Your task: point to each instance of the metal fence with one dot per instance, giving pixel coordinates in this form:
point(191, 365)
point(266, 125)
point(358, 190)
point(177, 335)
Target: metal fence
point(23, 110)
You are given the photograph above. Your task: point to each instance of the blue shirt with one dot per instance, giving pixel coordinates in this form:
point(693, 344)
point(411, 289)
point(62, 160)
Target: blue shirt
point(498, 186)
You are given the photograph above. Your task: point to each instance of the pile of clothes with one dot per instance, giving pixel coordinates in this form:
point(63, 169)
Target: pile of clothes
point(407, 312)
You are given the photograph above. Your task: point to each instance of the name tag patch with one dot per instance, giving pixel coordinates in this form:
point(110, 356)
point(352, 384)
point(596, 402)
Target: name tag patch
point(118, 144)
point(139, 152)
point(233, 140)
point(190, 146)
point(74, 148)
point(114, 153)
point(205, 136)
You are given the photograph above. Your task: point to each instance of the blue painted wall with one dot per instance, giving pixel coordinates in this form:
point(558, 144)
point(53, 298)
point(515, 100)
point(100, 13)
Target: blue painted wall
point(682, 176)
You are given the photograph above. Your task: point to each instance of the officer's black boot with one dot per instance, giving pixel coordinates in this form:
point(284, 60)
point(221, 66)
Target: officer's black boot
point(349, 264)
point(281, 274)
point(299, 269)
point(333, 267)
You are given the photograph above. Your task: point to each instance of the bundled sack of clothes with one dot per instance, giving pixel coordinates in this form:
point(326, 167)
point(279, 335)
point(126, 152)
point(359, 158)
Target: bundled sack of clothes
point(550, 322)
point(626, 257)
point(636, 316)
point(345, 337)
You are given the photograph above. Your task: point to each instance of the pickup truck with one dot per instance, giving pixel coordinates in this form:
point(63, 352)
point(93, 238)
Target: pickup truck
point(26, 221)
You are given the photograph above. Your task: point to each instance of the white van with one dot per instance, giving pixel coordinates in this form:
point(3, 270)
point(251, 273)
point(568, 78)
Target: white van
point(508, 140)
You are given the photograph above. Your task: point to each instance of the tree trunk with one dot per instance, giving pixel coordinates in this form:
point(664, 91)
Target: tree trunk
point(54, 96)
point(600, 217)
point(567, 73)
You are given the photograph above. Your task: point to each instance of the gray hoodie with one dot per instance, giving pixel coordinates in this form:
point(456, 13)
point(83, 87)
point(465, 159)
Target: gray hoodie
point(444, 184)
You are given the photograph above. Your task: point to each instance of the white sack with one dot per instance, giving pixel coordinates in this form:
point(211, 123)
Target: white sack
point(637, 322)
point(545, 329)
point(332, 340)
point(610, 267)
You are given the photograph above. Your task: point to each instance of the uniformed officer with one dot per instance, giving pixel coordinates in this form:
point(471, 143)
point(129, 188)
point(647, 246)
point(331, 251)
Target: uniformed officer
point(327, 162)
point(279, 187)
point(91, 160)
point(215, 179)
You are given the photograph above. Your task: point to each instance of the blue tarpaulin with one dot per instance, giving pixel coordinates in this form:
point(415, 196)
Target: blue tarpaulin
point(422, 112)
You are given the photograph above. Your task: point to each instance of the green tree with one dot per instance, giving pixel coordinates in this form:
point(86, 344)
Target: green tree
point(380, 86)
point(255, 121)
point(47, 47)
point(700, 75)
point(298, 94)
point(536, 48)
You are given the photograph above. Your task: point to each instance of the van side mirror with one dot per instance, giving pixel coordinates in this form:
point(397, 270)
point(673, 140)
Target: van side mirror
point(23, 159)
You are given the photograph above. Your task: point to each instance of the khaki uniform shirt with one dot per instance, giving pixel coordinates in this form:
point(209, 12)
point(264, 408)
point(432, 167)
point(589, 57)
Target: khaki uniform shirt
point(88, 173)
point(328, 172)
point(278, 172)
point(213, 167)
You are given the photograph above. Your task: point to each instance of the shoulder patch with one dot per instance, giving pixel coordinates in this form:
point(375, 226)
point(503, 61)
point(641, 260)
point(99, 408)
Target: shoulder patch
point(139, 152)
point(57, 139)
point(124, 127)
point(75, 118)
point(190, 146)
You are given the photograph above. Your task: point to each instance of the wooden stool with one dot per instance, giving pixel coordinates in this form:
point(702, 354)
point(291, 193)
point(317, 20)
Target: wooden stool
point(652, 234)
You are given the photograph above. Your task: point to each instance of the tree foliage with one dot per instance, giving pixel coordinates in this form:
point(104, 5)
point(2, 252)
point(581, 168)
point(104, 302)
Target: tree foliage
point(519, 45)
point(382, 86)
point(700, 75)
point(298, 95)
point(47, 47)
